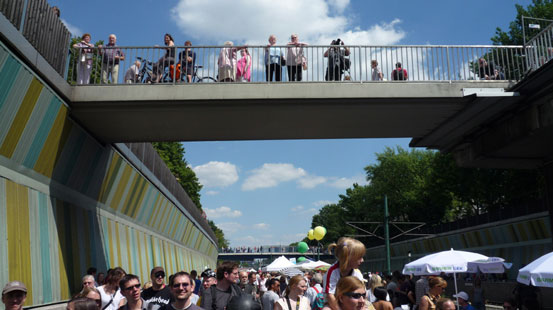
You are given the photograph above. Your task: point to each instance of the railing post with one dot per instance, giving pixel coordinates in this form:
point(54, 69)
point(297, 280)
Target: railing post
point(360, 67)
point(448, 64)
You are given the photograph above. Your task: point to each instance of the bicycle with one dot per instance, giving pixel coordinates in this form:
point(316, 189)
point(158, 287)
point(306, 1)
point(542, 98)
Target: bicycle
point(195, 77)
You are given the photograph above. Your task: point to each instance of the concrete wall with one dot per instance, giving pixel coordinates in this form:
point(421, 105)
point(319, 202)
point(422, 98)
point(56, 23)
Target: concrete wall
point(518, 240)
point(68, 202)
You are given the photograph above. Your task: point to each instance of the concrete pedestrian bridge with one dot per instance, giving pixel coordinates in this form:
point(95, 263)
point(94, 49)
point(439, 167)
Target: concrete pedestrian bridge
point(260, 111)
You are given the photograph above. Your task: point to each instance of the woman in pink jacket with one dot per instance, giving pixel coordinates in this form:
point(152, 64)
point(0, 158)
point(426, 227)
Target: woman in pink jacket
point(244, 66)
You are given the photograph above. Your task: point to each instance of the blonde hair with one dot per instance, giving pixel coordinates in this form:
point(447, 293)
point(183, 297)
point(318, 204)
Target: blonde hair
point(347, 250)
point(294, 281)
point(375, 281)
point(436, 281)
point(346, 285)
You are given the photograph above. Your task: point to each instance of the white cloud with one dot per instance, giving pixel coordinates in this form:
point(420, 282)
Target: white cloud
point(230, 227)
point(270, 175)
point(322, 203)
point(303, 211)
point(338, 5)
point(221, 212)
point(311, 181)
point(315, 21)
point(75, 31)
point(344, 183)
point(211, 193)
point(216, 174)
point(261, 226)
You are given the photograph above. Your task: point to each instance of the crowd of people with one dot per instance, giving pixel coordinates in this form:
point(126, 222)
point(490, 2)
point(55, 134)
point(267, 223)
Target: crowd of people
point(230, 68)
point(341, 287)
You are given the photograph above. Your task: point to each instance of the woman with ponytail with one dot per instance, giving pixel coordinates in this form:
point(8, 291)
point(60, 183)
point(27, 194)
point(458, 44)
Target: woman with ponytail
point(293, 298)
point(349, 253)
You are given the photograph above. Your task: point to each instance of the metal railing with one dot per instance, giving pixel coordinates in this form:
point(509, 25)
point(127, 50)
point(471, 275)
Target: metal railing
point(41, 26)
point(540, 48)
point(170, 65)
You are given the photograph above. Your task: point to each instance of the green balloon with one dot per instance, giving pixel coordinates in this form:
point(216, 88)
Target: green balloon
point(302, 247)
point(301, 259)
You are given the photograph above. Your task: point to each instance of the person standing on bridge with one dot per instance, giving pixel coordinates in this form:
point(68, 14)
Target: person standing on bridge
point(295, 58)
point(111, 55)
point(349, 253)
point(399, 74)
point(274, 60)
point(376, 74)
point(159, 294)
point(167, 59)
point(84, 59)
point(14, 295)
point(218, 296)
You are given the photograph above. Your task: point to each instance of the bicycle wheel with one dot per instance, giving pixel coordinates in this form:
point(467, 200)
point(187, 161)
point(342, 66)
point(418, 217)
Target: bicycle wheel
point(207, 79)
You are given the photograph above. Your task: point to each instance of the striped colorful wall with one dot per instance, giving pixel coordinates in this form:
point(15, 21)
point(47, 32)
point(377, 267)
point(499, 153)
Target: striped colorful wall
point(518, 240)
point(68, 202)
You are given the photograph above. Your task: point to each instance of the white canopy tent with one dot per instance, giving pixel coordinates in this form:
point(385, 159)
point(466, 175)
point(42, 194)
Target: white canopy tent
point(278, 264)
point(312, 265)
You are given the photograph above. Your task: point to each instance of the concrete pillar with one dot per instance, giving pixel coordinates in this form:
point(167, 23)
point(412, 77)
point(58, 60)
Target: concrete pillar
point(548, 172)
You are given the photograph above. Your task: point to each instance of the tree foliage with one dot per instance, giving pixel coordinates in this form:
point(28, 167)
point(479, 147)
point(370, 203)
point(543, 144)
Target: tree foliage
point(219, 234)
point(425, 186)
point(172, 154)
point(513, 36)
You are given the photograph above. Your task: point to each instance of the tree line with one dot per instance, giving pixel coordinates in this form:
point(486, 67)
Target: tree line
point(426, 186)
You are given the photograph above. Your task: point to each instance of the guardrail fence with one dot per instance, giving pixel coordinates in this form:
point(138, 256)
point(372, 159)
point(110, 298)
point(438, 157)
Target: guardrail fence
point(219, 63)
point(41, 27)
point(540, 48)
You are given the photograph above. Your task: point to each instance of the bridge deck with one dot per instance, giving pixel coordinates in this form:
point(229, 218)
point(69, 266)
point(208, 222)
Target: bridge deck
point(203, 112)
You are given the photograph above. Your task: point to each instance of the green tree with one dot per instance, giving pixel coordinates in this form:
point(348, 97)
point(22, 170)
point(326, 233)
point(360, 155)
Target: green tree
point(219, 234)
point(172, 154)
point(538, 9)
point(407, 178)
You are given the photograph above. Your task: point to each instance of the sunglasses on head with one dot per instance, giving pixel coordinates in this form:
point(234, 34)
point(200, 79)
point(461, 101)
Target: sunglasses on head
point(355, 295)
point(132, 286)
point(159, 274)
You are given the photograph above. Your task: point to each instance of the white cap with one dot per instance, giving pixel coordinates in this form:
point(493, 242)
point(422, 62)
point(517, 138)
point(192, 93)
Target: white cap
point(462, 295)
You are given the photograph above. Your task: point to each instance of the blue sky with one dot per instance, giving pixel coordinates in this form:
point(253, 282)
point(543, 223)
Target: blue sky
point(265, 192)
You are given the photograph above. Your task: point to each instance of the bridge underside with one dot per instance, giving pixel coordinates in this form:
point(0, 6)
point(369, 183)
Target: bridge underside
point(133, 113)
point(509, 134)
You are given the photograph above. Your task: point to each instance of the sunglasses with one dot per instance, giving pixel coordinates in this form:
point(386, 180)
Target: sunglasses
point(159, 274)
point(137, 286)
point(177, 285)
point(355, 295)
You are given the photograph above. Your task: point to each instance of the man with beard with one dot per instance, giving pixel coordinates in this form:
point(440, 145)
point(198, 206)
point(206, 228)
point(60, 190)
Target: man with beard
point(181, 288)
point(130, 288)
point(159, 294)
point(218, 296)
point(14, 295)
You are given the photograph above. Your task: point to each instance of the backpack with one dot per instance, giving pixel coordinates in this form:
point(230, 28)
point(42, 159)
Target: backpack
point(398, 74)
point(319, 302)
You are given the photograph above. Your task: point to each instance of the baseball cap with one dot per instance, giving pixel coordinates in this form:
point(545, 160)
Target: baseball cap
point(14, 286)
point(462, 295)
point(209, 273)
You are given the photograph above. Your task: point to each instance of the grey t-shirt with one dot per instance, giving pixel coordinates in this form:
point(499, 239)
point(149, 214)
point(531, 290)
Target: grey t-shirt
point(268, 300)
point(222, 298)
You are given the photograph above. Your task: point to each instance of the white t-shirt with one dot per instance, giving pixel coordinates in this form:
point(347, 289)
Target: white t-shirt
point(117, 297)
point(332, 277)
